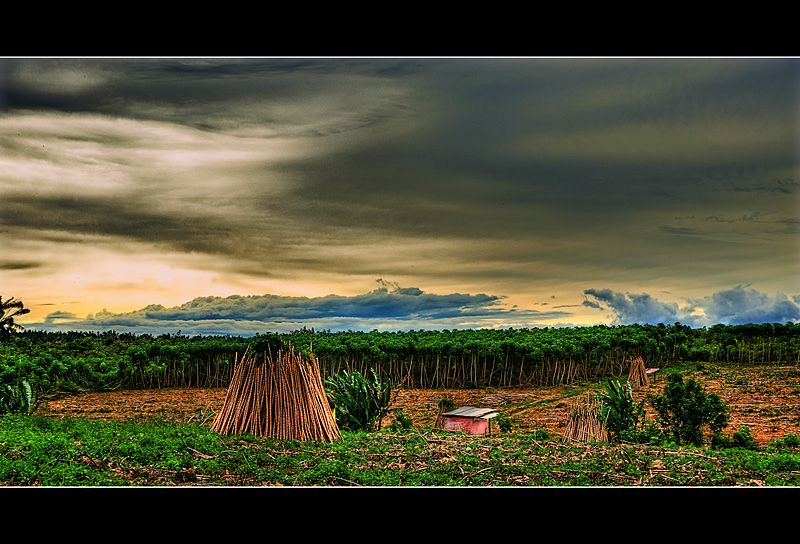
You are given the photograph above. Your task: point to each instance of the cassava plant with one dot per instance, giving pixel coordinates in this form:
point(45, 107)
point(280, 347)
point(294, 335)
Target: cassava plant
point(360, 403)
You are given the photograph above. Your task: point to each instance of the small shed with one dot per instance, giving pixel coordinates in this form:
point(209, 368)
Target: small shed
point(468, 419)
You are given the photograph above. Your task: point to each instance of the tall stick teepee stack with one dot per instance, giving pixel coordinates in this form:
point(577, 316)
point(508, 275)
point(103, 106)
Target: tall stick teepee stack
point(637, 376)
point(281, 396)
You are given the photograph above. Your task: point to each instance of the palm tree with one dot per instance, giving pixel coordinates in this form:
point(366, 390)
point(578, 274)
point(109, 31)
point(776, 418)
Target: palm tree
point(9, 309)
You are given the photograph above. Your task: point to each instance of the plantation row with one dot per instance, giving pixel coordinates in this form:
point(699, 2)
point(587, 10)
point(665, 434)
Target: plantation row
point(53, 362)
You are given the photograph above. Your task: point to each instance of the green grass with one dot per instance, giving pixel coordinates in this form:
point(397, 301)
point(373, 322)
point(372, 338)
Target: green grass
point(76, 452)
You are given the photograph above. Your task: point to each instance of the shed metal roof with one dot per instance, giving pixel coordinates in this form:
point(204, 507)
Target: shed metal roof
point(470, 411)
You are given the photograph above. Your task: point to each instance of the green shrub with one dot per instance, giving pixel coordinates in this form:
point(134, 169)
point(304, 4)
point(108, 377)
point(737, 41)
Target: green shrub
point(792, 440)
point(360, 404)
point(620, 412)
point(647, 432)
point(789, 441)
point(504, 422)
point(684, 409)
point(783, 462)
point(740, 439)
point(540, 434)
point(401, 421)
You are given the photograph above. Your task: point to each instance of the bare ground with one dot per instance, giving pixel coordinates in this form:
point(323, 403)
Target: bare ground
point(765, 399)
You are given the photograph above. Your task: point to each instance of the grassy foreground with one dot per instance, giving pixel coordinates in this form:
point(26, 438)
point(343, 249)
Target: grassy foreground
point(40, 451)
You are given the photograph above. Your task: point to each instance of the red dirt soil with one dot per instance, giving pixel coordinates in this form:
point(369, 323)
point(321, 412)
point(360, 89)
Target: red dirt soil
point(765, 399)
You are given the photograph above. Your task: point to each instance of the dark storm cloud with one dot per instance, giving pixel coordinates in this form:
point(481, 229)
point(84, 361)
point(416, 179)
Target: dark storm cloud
point(562, 149)
point(634, 308)
point(742, 305)
point(115, 218)
point(277, 95)
point(129, 181)
point(735, 306)
point(380, 303)
point(19, 265)
point(389, 306)
point(784, 186)
point(495, 144)
point(529, 172)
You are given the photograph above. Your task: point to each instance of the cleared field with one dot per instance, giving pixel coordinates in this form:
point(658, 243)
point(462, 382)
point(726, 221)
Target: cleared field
point(766, 399)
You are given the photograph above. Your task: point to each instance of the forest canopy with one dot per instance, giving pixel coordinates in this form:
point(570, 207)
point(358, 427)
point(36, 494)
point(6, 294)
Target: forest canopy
point(62, 361)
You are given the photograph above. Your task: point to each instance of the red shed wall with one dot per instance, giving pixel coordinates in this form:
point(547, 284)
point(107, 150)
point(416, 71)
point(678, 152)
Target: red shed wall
point(466, 424)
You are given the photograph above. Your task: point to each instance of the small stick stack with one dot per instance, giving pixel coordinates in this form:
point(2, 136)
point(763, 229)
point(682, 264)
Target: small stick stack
point(637, 375)
point(584, 422)
point(445, 405)
point(282, 397)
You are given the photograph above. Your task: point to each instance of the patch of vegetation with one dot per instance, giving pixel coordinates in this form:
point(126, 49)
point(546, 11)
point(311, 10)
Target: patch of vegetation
point(709, 371)
point(740, 439)
point(670, 451)
point(402, 422)
point(504, 422)
point(75, 452)
point(789, 441)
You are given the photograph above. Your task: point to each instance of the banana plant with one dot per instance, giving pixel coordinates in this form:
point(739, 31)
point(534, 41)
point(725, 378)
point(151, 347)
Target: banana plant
point(19, 398)
point(359, 403)
point(620, 411)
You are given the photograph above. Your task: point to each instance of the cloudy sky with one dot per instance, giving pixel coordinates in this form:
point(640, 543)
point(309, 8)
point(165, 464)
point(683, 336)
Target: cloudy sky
point(244, 195)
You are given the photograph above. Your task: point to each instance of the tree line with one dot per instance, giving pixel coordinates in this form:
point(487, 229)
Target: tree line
point(81, 361)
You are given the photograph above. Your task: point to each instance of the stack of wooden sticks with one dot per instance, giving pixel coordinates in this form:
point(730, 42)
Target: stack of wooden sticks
point(584, 422)
point(637, 375)
point(280, 396)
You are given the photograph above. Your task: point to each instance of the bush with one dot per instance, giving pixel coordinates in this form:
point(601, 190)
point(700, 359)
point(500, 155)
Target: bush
point(647, 432)
point(504, 422)
point(540, 434)
point(360, 404)
point(401, 421)
point(740, 439)
point(684, 409)
point(783, 462)
point(789, 441)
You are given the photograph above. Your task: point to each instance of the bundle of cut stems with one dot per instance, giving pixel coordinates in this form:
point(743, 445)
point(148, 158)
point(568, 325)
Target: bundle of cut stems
point(281, 396)
point(637, 376)
point(584, 422)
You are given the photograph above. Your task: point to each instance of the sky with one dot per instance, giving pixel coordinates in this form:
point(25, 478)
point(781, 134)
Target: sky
point(252, 195)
